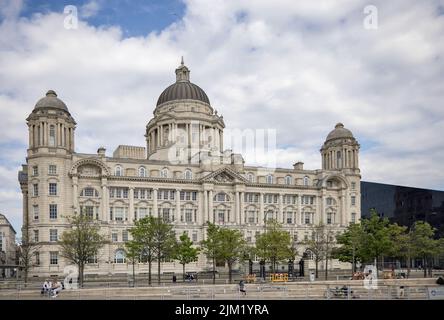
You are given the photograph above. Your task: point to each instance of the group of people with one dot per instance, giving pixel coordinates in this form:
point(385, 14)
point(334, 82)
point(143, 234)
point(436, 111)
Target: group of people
point(52, 288)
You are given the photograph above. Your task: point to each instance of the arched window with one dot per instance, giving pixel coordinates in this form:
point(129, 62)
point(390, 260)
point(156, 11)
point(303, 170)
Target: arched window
point(164, 173)
point(142, 172)
point(89, 192)
point(118, 171)
point(250, 177)
point(221, 197)
point(188, 174)
point(306, 181)
point(288, 180)
point(338, 160)
point(119, 256)
point(52, 135)
point(270, 178)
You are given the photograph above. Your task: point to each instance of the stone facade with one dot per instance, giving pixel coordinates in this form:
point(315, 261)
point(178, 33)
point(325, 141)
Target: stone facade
point(8, 248)
point(183, 175)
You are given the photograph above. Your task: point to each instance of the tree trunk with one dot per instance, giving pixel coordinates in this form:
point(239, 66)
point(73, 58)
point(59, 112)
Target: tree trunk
point(158, 269)
point(214, 270)
point(326, 268)
point(229, 271)
point(134, 273)
point(80, 275)
point(149, 270)
point(183, 272)
point(316, 267)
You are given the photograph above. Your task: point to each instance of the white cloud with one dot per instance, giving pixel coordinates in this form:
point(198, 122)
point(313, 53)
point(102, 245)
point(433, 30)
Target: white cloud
point(89, 9)
point(295, 66)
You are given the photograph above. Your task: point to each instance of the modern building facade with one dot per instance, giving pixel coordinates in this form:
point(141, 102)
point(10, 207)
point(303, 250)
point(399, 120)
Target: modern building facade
point(183, 175)
point(404, 205)
point(8, 248)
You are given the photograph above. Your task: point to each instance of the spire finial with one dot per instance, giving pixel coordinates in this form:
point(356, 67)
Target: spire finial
point(181, 61)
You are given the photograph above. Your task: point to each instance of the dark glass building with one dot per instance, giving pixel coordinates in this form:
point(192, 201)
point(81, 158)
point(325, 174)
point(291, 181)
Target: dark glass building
point(404, 205)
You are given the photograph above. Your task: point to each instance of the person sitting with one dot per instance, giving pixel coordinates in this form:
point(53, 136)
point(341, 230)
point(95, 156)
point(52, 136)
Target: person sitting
point(45, 287)
point(56, 288)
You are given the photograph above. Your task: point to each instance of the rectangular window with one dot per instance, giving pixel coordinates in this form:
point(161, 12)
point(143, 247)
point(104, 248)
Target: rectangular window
point(53, 235)
point(353, 217)
point(52, 135)
point(52, 211)
point(188, 215)
point(37, 258)
point(35, 171)
point(166, 214)
point(251, 217)
point(88, 211)
point(111, 213)
point(194, 236)
point(353, 185)
point(35, 210)
point(307, 218)
point(125, 193)
point(35, 190)
point(353, 200)
point(194, 195)
point(165, 194)
point(114, 237)
point(53, 257)
point(118, 213)
point(52, 169)
point(143, 212)
point(182, 195)
point(329, 218)
point(221, 216)
point(124, 236)
point(221, 197)
point(290, 217)
point(53, 189)
point(36, 236)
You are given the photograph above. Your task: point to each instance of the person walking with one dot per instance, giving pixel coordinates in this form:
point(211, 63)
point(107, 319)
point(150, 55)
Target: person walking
point(242, 287)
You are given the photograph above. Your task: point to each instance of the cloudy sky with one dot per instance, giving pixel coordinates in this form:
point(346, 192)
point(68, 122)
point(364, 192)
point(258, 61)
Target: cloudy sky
point(298, 67)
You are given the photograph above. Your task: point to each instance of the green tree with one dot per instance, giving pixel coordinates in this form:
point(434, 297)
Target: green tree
point(424, 246)
point(164, 242)
point(143, 235)
point(319, 245)
point(274, 245)
point(211, 246)
point(185, 252)
point(133, 252)
point(81, 242)
point(231, 247)
point(27, 254)
point(350, 245)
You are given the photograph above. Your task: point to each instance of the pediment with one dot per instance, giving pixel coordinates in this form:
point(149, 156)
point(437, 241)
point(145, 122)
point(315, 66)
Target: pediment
point(224, 175)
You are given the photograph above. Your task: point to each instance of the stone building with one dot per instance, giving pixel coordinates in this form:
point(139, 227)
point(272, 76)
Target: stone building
point(8, 248)
point(183, 175)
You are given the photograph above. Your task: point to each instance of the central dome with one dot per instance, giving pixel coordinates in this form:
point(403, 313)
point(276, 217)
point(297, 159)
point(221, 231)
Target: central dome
point(339, 132)
point(183, 89)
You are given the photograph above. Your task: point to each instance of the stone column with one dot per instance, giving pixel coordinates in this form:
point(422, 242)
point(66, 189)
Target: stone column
point(237, 208)
point(177, 215)
point(75, 194)
point(261, 209)
point(299, 212)
point(155, 209)
point(343, 209)
point(281, 218)
point(242, 209)
point(201, 209)
point(105, 195)
point(210, 206)
point(205, 206)
point(131, 204)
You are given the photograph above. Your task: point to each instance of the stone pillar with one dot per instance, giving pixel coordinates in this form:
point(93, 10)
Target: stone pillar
point(205, 206)
point(299, 212)
point(221, 134)
point(237, 208)
point(201, 209)
point(75, 194)
point(261, 209)
point(177, 215)
point(241, 209)
point(281, 218)
point(105, 196)
point(131, 215)
point(210, 206)
point(343, 208)
point(155, 209)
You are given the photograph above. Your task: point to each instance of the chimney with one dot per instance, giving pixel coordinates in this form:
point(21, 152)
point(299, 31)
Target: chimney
point(101, 152)
point(298, 166)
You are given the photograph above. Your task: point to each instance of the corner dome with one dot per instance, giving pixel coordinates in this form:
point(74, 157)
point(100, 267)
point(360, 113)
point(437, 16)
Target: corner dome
point(183, 89)
point(51, 101)
point(339, 133)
